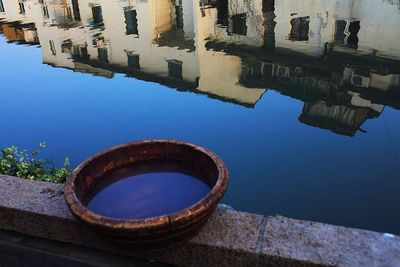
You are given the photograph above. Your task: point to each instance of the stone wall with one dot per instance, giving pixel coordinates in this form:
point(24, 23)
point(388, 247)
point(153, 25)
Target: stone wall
point(30, 210)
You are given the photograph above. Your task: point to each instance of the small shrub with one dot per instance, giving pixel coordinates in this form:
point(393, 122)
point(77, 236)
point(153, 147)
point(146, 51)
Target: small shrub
point(27, 165)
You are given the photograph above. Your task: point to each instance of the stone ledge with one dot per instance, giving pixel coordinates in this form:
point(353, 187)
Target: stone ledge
point(288, 241)
point(229, 239)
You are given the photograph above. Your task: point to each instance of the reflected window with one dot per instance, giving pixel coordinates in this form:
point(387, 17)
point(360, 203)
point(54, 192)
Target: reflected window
point(84, 54)
point(268, 5)
point(175, 69)
point(239, 25)
point(103, 54)
point(21, 8)
point(133, 61)
point(267, 70)
point(179, 17)
point(80, 53)
point(131, 22)
point(300, 29)
point(252, 74)
point(340, 34)
point(2, 6)
point(354, 28)
point(52, 48)
point(45, 11)
point(222, 13)
point(97, 14)
point(75, 8)
point(346, 33)
point(76, 52)
point(66, 47)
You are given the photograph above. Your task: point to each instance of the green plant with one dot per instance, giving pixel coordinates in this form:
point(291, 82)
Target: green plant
point(26, 165)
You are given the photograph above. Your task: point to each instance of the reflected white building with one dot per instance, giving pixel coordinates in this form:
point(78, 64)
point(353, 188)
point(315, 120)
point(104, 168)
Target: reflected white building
point(186, 43)
point(366, 26)
point(157, 40)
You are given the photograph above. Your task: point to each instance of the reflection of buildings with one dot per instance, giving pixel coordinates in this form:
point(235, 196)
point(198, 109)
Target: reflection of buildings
point(155, 40)
point(19, 29)
point(370, 27)
point(341, 58)
point(340, 118)
point(22, 34)
point(336, 56)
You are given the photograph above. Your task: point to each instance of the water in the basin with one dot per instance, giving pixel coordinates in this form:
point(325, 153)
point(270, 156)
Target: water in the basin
point(147, 195)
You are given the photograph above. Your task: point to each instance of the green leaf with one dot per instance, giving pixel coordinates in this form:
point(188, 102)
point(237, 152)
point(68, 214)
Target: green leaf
point(17, 163)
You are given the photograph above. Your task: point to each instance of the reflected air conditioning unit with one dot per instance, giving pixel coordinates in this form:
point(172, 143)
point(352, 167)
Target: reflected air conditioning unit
point(360, 81)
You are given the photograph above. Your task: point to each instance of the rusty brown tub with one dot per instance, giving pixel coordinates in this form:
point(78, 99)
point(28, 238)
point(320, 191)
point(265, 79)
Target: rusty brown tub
point(157, 231)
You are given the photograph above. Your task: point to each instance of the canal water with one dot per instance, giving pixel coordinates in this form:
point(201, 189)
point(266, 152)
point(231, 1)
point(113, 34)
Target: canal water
point(300, 98)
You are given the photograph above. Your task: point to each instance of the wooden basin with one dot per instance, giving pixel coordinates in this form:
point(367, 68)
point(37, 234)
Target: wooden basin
point(152, 232)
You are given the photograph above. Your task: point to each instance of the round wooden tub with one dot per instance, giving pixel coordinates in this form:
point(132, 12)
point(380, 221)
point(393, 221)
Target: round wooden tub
point(152, 232)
